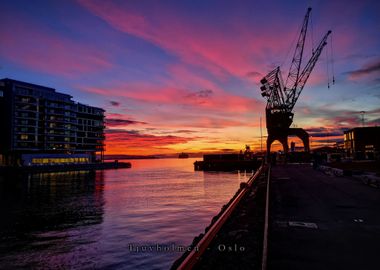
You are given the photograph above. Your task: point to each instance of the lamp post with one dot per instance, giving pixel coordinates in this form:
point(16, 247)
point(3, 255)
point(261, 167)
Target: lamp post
point(362, 114)
point(311, 141)
point(261, 137)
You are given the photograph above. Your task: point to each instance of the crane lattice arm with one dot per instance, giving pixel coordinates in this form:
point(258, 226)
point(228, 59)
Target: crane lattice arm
point(295, 67)
point(293, 95)
point(282, 97)
point(273, 89)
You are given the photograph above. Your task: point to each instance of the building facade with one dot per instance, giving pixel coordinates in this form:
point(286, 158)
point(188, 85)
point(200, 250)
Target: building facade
point(362, 142)
point(37, 120)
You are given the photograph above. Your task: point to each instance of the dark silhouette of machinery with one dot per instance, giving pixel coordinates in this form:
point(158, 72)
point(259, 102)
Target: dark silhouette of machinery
point(281, 97)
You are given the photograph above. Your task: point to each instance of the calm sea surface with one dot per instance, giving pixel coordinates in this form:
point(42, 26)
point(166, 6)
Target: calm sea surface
point(134, 218)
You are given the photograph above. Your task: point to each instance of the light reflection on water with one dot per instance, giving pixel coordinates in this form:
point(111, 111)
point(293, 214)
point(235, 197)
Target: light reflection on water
point(97, 219)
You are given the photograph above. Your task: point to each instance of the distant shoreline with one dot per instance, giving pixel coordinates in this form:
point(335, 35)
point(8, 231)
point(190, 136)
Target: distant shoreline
point(130, 157)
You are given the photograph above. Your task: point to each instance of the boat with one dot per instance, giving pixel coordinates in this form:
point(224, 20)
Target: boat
point(183, 155)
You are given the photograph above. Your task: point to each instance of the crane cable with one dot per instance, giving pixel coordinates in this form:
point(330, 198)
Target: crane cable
point(332, 60)
point(327, 67)
point(330, 65)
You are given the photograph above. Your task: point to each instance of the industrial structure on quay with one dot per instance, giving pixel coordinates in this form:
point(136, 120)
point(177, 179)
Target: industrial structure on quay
point(282, 96)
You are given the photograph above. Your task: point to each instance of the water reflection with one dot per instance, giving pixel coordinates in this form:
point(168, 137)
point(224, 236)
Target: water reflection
point(89, 220)
point(48, 211)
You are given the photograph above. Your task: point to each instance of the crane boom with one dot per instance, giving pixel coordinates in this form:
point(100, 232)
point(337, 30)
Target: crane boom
point(294, 71)
point(304, 76)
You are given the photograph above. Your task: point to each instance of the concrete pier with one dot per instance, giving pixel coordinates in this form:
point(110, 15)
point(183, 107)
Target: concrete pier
point(316, 221)
point(322, 222)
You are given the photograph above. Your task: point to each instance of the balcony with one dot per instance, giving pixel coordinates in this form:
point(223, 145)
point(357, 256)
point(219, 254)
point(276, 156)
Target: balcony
point(72, 128)
point(60, 134)
point(55, 104)
point(29, 132)
point(26, 108)
point(25, 124)
point(27, 145)
point(26, 116)
point(25, 98)
point(68, 121)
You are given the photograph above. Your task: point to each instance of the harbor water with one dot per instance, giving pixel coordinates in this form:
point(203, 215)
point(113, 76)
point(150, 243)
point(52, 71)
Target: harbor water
point(138, 218)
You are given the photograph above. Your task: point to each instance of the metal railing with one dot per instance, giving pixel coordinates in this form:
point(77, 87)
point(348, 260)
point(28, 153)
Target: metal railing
point(193, 257)
point(266, 222)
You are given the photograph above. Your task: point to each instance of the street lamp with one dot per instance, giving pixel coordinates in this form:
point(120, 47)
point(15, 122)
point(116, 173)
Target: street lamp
point(362, 114)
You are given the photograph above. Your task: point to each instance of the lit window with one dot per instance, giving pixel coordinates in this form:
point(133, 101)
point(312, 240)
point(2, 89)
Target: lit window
point(1, 93)
point(24, 137)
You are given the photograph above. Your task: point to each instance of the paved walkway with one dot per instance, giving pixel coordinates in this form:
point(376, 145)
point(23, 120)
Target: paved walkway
point(322, 222)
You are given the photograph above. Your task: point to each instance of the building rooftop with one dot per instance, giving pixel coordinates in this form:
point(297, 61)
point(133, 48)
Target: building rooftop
point(31, 85)
point(363, 128)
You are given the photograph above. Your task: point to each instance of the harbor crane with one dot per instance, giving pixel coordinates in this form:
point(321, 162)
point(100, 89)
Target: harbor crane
point(281, 97)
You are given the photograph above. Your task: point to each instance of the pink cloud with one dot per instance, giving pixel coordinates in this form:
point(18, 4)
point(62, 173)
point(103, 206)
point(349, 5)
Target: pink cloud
point(218, 100)
point(131, 141)
point(245, 54)
point(117, 122)
point(217, 122)
point(202, 45)
point(369, 70)
point(39, 48)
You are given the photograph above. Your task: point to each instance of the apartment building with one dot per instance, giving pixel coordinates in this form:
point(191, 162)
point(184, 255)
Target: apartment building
point(43, 126)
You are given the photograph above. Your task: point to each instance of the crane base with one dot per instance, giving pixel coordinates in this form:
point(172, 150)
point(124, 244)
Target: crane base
point(282, 136)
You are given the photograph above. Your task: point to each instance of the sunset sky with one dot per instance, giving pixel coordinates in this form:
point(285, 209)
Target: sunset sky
point(179, 76)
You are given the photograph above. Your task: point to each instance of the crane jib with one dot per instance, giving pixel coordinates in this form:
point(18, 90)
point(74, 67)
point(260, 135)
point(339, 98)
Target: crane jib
point(285, 95)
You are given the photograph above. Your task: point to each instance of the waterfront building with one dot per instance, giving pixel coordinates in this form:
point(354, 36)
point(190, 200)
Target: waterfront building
point(362, 142)
point(43, 126)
